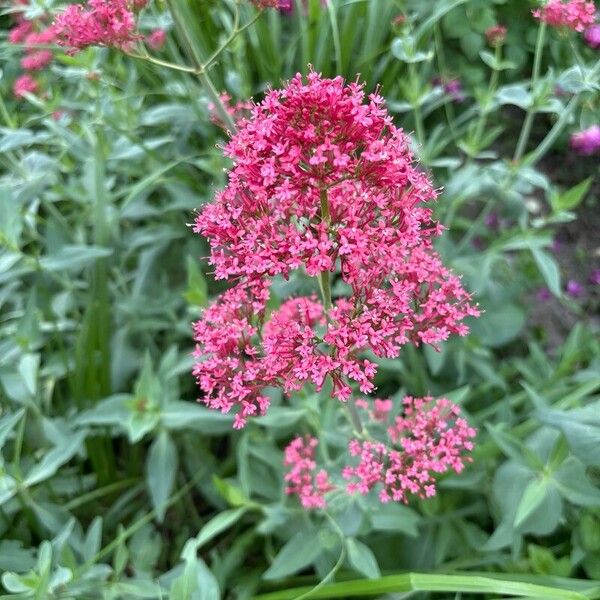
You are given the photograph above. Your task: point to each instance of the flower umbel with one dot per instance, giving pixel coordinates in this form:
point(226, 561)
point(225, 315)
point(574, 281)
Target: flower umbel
point(573, 14)
point(323, 181)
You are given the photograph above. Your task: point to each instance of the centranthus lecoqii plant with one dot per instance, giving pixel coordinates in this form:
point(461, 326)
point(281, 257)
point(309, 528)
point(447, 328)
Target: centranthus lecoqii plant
point(322, 181)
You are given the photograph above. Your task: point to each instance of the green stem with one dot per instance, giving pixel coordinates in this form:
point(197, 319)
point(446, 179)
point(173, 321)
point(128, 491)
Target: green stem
point(488, 98)
point(441, 59)
point(560, 124)
point(354, 416)
point(200, 69)
point(420, 130)
point(528, 122)
point(324, 279)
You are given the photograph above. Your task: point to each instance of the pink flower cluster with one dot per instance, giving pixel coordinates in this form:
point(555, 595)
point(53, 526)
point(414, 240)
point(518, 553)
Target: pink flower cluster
point(428, 439)
point(586, 142)
point(100, 23)
point(573, 14)
point(323, 181)
point(302, 480)
point(33, 35)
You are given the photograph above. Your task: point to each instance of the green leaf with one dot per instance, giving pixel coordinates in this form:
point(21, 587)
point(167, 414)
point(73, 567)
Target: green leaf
point(362, 559)
point(572, 197)
point(55, 458)
point(179, 414)
point(74, 257)
point(549, 270)
point(532, 498)
point(161, 468)
point(581, 427)
point(197, 291)
point(301, 551)
point(230, 493)
point(497, 65)
point(506, 584)
point(516, 94)
point(7, 424)
point(572, 482)
point(222, 521)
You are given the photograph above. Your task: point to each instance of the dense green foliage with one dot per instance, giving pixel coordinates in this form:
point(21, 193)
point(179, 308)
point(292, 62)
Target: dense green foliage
point(114, 483)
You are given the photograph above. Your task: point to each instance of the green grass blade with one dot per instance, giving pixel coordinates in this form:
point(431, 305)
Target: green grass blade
point(424, 582)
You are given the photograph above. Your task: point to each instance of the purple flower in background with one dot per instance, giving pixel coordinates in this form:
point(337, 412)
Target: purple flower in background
point(595, 277)
point(556, 245)
point(492, 221)
point(454, 89)
point(574, 288)
point(586, 142)
point(543, 295)
point(592, 36)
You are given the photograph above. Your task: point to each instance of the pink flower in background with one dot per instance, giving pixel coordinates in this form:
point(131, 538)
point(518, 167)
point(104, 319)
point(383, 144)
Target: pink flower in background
point(24, 85)
point(44, 37)
point(574, 288)
point(592, 36)
point(36, 60)
point(19, 32)
point(573, 14)
point(496, 35)
point(451, 87)
point(454, 89)
point(586, 142)
point(303, 479)
point(271, 3)
point(156, 40)
point(543, 295)
point(100, 23)
point(595, 277)
point(429, 438)
point(237, 111)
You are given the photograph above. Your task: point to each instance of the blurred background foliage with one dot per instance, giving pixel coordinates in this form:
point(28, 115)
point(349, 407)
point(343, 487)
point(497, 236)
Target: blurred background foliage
point(114, 483)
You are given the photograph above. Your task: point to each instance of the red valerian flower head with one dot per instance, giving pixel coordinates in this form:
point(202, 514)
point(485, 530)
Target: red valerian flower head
point(36, 60)
point(24, 85)
point(573, 14)
point(100, 23)
point(323, 181)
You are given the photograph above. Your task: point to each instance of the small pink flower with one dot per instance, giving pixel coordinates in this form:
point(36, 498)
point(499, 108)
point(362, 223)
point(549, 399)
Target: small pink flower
point(586, 142)
point(156, 40)
point(24, 85)
point(592, 36)
point(573, 14)
point(595, 277)
point(36, 60)
point(496, 35)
